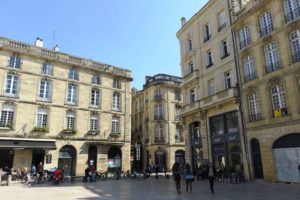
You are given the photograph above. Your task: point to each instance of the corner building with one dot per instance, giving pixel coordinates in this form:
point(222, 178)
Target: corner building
point(156, 125)
point(268, 52)
point(62, 110)
point(211, 105)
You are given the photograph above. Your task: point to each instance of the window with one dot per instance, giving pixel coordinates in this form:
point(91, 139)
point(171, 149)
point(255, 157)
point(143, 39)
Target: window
point(177, 95)
point(209, 59)
point(95, 97)
point(254, 108)
point(46, 69)
point(7, 116)
point(272, 58)
point(158, 112)
point(94, 122)
point(245, 39)
point(73, 74)
point(15, 62)
point(295, 43)
point(266, 24)
point(291, 10)
point(70, 120)
point(217, 125)
point(224, 49)
point(222, 20)
point(192, 95)
point(278, 97)
point(228, 80)
point(249, 68)
point(115, 125)
point(159, 133)
point(72, 94)
point(42, 117)
point(116, 102)
point(11, 86)
point(207, 34)
point(116, 83)
point(96, 79)
point(44, 90)
point(231, 122)
point(189, 45)
point(211, 87)
point(178, 134)
point(190, 68)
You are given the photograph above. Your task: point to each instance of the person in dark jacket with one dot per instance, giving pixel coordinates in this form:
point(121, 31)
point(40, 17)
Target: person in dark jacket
point(212, 172)
point(176, 175)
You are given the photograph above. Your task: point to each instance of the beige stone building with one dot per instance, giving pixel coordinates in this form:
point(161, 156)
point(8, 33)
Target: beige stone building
point(211, 107)
point(156, 126)
point(62, 110)
point(268, 54)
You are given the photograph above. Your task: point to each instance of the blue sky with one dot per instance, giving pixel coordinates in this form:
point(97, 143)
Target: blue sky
point(139, 35)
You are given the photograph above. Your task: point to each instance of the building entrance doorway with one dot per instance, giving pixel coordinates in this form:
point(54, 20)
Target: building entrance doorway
point(38, 157)
point(6, 158)
point(92, 156)
point(256, 159)
point(67, 160)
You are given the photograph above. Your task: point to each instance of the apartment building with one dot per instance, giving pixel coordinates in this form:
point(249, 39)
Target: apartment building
point(267, 36)
point(211, 112)
point(62, 110)
point(157, 135)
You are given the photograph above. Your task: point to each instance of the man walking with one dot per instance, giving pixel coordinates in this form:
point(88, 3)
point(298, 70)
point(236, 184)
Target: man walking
point(211, 176)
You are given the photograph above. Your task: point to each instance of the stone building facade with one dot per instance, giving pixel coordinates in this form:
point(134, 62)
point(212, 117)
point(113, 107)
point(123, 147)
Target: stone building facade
point(211, 112)
point(156, 126)
point(267, 36)
point(62, 110)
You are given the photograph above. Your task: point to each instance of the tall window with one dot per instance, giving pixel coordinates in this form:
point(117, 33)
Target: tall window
point(178, 134)
point(190, 68)
point(96, 79)
point(211, 87)
point(249, 68)
point(95, 97)
point(116, 102)
point(189, 45)
point(94, 120)
point(73, 74)
point(44, 90)
point(116, 83)
point(192, 95)
point(278, 97)
point(46, 69)
point(11, 86)
point(15, 62)
point(115, 125)
point(291, 10)
point(222, 20)
point(266, 24)
point(209, 59)
point(224, 49)
point(70, 120)
point(272, 58)
point(42, 117)
point(7, 115)
point(159, 133)
point(158, 111)
point(254, 108)
point(228, 80)
point(72, 93)
point(295, 43)
point(207, 34)
point(177, 95)
point(245, 38)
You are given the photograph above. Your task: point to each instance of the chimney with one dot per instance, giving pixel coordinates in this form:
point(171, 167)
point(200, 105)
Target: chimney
point(183, 21)
point(39, 42)
point(55, 48)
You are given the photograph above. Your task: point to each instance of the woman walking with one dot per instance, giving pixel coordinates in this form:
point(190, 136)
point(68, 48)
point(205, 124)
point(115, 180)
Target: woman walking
point(211, 176)
point(189, 177)
point(176, 175)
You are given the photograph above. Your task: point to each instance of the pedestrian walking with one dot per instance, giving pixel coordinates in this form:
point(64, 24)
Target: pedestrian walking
point(189, 177)
point(176, 175)
point(40, 170)
point(211, 176)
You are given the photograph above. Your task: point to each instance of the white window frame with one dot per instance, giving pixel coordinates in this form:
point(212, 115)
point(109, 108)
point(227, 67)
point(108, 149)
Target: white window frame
point(222, 18)
point(211, 87)
point(115, 125)
point(245, 37)
point(72, 93)
point(266, 23)
point(116, 83)
point(159, 132)
point(95, 97)
point(190, 67)
point(70, 120)
point(73, 74)
point(224, 49)
point(94, 122)
point(206, 31)
point(291, 10)
point(278, 97)
point(116, 101)
point(46, 69)
point(159, 110)
point(42, 117)
point(271, 57)
point(228, 79)
point(254, 107)
point(192, 95)
point(7, 115)
point(209, 58)
point(96, 79)
point(295, 44)
point(11, 85)
point(249, 68)
point(44, 90)
point(15, 62)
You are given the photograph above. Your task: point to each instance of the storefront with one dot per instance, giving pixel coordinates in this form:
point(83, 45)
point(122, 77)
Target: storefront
point(225, 141)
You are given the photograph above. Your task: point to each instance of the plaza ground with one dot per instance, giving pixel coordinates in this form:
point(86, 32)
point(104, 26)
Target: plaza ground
point(150, 189)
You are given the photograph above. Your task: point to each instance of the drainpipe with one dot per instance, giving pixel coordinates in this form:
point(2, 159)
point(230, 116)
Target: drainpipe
point(237, 65)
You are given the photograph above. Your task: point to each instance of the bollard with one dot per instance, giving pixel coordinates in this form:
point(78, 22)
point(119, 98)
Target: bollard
point(9, 179)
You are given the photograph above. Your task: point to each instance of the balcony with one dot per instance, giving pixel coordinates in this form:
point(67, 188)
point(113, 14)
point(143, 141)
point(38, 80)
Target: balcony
point(291, 16)
point(221, 27)
point(206, 38)
point(226, 54)
point(158, 97)
point(209, 65)
point(189, 77)
point(244, 43)
point(255, 117)
point(280, 112)
point(189, 107)
point(158, 117)
point(159, 140)
point(273, 67)
point(296, 57)
point(250, 76)
point(264, 31)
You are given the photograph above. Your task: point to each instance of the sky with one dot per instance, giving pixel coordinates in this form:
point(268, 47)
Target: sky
point(139, 35)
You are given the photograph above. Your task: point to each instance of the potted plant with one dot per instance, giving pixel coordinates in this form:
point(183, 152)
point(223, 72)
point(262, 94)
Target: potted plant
point(70, 131)
point(42, 129)
point(93, 132)
point(115, 134)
